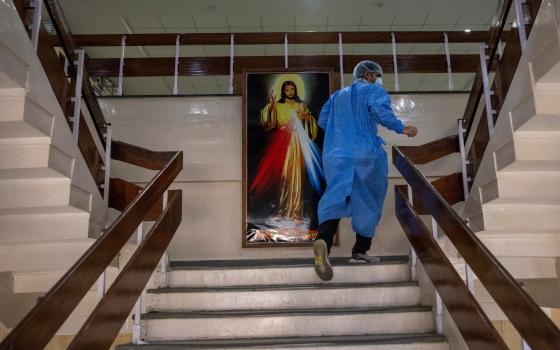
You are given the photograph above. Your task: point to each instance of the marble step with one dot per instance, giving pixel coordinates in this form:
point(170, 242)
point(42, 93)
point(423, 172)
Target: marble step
point(522, 214)
point(26, 187)
point(538, 138)
point(332, 295)
point(285, 323)
point(526, 178)
point(428, 341)
point(222, 273)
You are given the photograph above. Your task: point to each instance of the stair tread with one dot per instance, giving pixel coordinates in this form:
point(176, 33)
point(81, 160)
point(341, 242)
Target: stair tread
point(32, 175)
point(514, 233)
point(56, 243)
point(284, 312)
point(541, 125)
point(322, 340)
point(19, 132)
point(274, 263)
point(42, 212)
point(522, 167)
point(282, 287)
point(512, 203)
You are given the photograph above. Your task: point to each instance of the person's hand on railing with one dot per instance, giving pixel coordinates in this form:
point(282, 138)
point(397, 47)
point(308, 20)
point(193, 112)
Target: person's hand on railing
point(410, 131)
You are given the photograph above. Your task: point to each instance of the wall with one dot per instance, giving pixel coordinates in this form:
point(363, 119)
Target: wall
point(209, 132)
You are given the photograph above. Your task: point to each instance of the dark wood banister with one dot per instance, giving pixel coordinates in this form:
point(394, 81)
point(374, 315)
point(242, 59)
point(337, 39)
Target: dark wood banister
point(473, 324)
point(493, 42)
point(56, 306)
point(535, 327)
point(69, 46)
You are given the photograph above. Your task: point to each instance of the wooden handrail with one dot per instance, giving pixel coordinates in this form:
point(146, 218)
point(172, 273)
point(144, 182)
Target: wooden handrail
point(139, 156)
point(384, 37)
point(473, 324)
point(530, 321)
point(433, 150)
point(69, 46)
point(122, 193)
point(493, 42)
point(106, 320)
point(56, 306)
point(450, 187)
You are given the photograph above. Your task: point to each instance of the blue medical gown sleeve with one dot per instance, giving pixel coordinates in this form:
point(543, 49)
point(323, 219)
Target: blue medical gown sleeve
point(325, 112)
point(380, 103)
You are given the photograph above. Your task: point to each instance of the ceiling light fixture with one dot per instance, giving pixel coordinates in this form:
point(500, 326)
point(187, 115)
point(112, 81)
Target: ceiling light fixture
point(468, 30)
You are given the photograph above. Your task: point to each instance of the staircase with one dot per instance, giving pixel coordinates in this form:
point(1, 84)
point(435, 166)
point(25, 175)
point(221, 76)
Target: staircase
point(282, 304)
point(515, 199)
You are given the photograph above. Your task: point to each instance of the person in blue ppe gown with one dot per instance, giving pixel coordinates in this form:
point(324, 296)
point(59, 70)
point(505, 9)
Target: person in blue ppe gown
point(354, 163)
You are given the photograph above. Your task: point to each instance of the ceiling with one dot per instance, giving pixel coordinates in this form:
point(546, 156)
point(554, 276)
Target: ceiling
point(218, 16)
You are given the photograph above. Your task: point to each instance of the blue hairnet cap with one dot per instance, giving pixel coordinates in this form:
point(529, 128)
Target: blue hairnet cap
point(366, 66)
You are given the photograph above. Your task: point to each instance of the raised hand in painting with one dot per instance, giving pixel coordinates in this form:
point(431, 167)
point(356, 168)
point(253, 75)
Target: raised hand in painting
point(272, 99)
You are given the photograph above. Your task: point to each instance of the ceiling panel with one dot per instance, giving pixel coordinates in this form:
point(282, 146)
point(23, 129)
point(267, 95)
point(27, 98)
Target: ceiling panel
point(281, 19)
point(345, 19)
point(321, 28)
point(202, 21)
point(475, 17)
point(243, 20)
point(246, 29)
point(143, 22)
point(408, 18)
point(176, 20)
point(311, 20)
point(347, 28)
point(449, 15)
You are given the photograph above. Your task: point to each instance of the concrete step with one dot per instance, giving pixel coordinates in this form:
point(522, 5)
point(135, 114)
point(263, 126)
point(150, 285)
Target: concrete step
point(42, 281)
point(427, 341)
point(522, 243)
point(42, 255)
point(526, 178)
point(15, 156)
point(12, 107)
point(24, 225)
point(286, 323)
point(522, 214)
point(19, 132)
point(222, 273)
point(538, 138)
point(283, 297)
point(25, 187)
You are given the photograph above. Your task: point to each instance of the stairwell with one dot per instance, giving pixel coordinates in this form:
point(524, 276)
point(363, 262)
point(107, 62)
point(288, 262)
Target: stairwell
point(50, 208)
point(515, 199)
point(282, 304)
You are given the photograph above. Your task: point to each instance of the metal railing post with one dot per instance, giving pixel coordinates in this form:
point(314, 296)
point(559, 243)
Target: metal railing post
point(521, 23)
point(413, 256)
point(439, 303)
point(38, 5)
point(487, 92)
point(79, 63)
point(137, 325)
point(461, 132)
point(163, 277)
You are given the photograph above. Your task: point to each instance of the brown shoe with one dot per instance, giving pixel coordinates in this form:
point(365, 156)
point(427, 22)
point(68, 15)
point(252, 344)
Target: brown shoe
point(323, 267)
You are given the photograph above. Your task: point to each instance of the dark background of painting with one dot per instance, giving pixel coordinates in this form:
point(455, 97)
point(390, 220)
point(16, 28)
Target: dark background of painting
point(258, 88)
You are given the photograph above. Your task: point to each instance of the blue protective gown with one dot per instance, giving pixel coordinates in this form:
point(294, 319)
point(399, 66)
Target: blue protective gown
point(354, 161)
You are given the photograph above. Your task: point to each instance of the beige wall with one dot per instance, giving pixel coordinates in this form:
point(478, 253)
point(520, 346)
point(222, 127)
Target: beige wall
point(208, 130)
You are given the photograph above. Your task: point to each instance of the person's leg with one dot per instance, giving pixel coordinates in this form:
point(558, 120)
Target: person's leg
point(322, 248)
point(362, 244)
point(327, 231)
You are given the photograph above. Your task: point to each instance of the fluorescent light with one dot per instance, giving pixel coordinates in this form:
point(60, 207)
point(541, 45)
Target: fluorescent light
point(468, 30)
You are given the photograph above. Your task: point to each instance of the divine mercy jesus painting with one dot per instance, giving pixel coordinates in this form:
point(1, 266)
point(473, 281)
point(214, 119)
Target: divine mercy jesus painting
point(283, 174)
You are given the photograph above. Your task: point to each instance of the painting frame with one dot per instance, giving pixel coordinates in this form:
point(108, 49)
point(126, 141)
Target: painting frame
point(245, 140)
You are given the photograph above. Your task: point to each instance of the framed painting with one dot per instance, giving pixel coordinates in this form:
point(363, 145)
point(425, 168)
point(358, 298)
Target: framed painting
point(282, 173)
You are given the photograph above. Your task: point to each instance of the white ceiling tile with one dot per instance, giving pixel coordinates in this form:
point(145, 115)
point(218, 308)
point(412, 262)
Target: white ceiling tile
point(245, 29)
point(281, 29)
point(404, 28)
point(176, 20)
point(180, 29)
point(213, 29)
point(311, 20)
point(346, 19)
point(148, 30)
point(246, 20)
point(437, 27)
point(210, 21)
point(473, 27)
point(475, 17)
point(280, 20)
point(348, 28)
point(322, 28)
point(376, 17)
point(447, 16)
point(408, 18)
point(143, 22)
point(370, 28)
